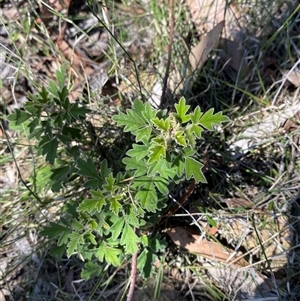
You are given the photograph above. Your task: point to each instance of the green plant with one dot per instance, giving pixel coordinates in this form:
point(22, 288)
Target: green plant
point(112, 218)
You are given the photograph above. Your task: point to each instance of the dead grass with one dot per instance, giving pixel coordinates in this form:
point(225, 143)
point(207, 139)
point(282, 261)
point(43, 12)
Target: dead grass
point(250, 159)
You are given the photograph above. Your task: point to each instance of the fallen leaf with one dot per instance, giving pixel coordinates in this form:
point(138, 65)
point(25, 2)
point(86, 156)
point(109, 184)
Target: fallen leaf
point(229, 273)
point(238, 203)
point(233, 52)
point(260, 132)
point(208, 249)
point(292, 76)
point(247, 283)
point(206, 14)
point(10, 13)
point(200, 53)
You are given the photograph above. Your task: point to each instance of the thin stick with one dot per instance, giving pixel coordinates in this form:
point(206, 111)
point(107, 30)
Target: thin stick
point(171, 38)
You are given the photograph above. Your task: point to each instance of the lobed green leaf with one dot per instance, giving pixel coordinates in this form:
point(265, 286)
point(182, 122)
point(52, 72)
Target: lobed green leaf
point(193, 168)
point(90, 205)
point(139, 166)
point(117, 228)
point(209, 119)
point(73, 246)
point(129, 240)
point(115, 205)
point(181, 109)
point(156, 152)
point(131, 120)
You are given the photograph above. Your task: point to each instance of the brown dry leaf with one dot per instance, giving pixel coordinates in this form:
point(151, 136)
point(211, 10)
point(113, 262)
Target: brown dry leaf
point(233, 51)
point(292, 76)
point(238, 203)
point(209, 249)
point(206, 14)
point(200, 53)
point(10, 13)
point(80, 64)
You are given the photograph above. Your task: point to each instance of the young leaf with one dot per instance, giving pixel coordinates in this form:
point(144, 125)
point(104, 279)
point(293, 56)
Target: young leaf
point(117, 228)
point(63, 238)
point(131, 120)
point(129, 240)
point(208, 119)
point(138, 107)
point(132, 217)
point(167, 171)
point(193, 169)
point(162, 125)
point(110, 180)
point(180, 138)
point(146, 195)
point(112, 255)
point(143, 134)
point(181, 109)
point(89, 205)
point(92, 238)
point(195, 116)
point(115, 205)
point(190, 138)
point(156, 167)
point(76, 240)
point(138, 151)
point(149, 113)
point(156, 152)
point(139, 166)
point(161, 184)
point(194, 129)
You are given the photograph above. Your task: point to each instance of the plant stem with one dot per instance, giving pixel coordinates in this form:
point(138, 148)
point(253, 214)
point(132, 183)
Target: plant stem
point(171, 38)
point(132, 277)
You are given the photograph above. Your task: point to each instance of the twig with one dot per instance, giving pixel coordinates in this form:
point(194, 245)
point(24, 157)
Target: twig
point(171, 38)
point(132, 277)
point(180, 202)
